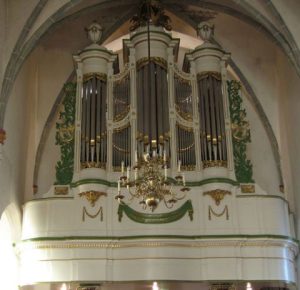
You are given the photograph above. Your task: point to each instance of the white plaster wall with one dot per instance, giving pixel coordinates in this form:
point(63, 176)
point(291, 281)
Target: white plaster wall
point(50, 8)
point(255, 55)
point(50, 155)
point(290, 11)
point(16, 14)
point(259, 151)
point(2, 36)
point(290, 120)
point(12, 173)
point(50, 68)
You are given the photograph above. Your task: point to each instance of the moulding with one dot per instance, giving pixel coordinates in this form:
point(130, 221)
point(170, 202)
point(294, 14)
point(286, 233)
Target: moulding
point(292, 246)
point(262, 196)
point(188, 183)
point(237, 238)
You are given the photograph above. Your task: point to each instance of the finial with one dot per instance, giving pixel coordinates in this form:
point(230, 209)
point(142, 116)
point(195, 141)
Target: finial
point(205, 30)
point(94, 32)
point(153, 12)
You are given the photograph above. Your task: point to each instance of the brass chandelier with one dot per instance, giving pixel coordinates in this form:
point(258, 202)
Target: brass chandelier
point(150, 184)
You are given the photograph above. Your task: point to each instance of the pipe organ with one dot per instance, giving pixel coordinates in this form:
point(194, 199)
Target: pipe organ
point(180, 119)
point(151, 105)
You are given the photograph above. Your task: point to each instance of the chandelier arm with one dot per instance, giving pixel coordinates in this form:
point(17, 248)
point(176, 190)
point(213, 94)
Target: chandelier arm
point(169, 206)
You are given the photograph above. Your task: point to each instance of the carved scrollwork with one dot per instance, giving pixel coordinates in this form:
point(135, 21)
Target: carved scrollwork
point(240, 134)
point(92, 196)
point(65, 136)
point(212, 212)
point(217, 195)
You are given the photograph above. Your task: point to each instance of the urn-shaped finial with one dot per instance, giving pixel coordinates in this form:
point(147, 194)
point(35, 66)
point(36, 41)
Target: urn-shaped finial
point(94, 32)
point(205, 30)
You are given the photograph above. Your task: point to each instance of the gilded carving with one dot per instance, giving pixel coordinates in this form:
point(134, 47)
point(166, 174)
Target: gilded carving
point(223, 286)
point(240, 134)
point(217, 194)
point(119, 117)
point(203, 75)
point(248, 188)
point(92, 196)
point(214, 163)
point(65, 136)
point(99, 212)
point(2, 136)
point(93, 165)
point(186, 116)
point(212, 212)
point(99, 76)
point(157, 60)
point(61, 190)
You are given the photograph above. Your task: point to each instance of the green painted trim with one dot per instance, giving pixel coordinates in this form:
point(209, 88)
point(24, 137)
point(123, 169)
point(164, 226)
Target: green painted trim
point(191, 183)
point(93, 181)
point(65, 132)
point(49, 198)
point(213, 180)
point(262, 196)
point(160, 218)
point(177, 237)
point(240, 134)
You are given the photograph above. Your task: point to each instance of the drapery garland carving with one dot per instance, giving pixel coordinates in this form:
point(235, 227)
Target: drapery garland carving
point(240, 134)
point(65, 136)
point(160, 218)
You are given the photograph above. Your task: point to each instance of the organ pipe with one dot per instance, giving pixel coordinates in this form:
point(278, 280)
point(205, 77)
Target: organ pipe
point(93, 124)
point(212, 127)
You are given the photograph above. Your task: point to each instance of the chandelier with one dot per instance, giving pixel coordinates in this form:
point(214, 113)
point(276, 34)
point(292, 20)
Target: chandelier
point(149, 182)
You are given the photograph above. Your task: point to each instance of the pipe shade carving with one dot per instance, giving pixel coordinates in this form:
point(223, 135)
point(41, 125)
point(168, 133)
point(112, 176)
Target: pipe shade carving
point(65, 136)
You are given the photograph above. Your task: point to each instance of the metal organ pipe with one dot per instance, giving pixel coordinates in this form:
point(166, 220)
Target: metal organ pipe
point(212, 118)
point(93, 125)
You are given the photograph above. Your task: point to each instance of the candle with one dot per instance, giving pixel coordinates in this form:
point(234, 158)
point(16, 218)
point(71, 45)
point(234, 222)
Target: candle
point(153, 153)
point(179, 165)
point(128, 172)
point(119, 186)
point(183, 179)
point(166, 172)
point(135, 156)
point(122, 167)
point(135, 174)
point(92, 153)
point(165, 156)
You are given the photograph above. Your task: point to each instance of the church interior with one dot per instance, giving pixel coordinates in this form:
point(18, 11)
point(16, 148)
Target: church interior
point(149, 145)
